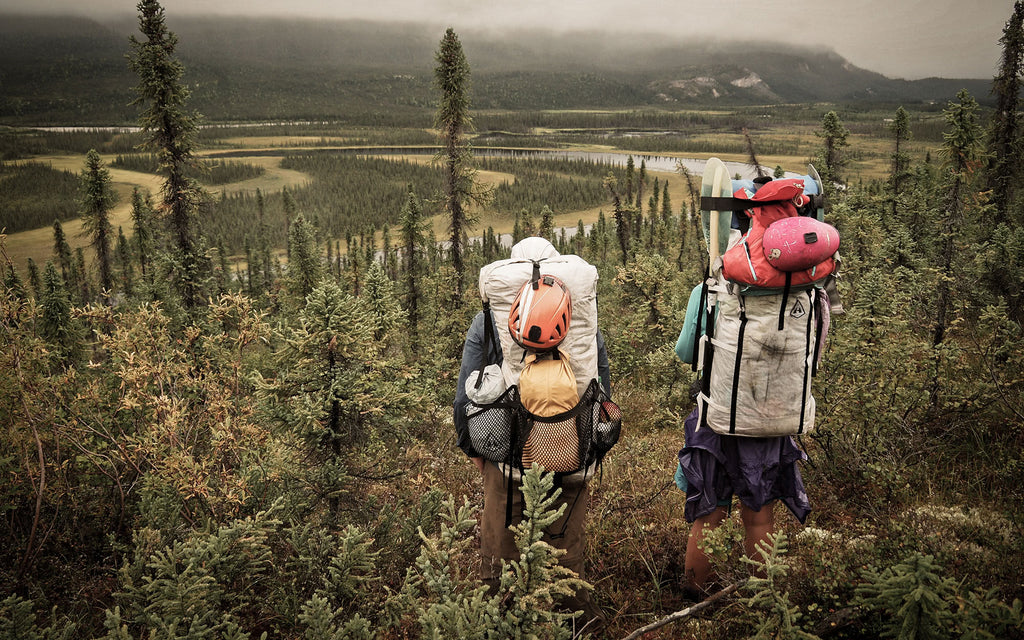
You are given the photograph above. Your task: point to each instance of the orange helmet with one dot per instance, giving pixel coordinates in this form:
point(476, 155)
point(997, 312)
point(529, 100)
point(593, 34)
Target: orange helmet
point(540, 314)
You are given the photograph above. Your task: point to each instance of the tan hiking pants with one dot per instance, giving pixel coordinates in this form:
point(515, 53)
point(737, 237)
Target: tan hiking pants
point(497, 543)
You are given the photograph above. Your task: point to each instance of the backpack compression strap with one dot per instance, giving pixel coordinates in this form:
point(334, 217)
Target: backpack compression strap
point(700, 318)
point(807, 368)
point(490, 342)
point(736, 367)
point(785, 300)
point(709, 357)
point(731, 203)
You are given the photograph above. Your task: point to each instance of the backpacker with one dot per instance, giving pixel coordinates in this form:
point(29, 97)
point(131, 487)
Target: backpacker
point(752, 328)
point(554, 411)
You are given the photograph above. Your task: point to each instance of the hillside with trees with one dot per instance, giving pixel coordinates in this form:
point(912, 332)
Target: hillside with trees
point(195, 447)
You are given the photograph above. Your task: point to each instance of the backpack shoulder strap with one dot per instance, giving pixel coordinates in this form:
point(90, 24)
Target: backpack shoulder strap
point(490, 343)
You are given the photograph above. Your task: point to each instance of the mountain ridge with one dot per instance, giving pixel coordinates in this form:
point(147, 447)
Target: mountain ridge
point(58, 68)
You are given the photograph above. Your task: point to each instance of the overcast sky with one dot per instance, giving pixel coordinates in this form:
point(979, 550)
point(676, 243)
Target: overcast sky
point(899, 38)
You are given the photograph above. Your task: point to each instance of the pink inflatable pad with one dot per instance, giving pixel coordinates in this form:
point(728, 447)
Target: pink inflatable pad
point(799, 243)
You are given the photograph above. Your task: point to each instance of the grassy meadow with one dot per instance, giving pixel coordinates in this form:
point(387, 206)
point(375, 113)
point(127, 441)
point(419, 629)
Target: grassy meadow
point(258, 145)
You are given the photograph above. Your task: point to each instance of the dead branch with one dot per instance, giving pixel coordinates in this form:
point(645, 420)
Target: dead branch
point(689, 611)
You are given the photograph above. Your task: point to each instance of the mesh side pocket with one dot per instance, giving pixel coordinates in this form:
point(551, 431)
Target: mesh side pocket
point(607, 427)
point(493, 427)
point(601, 424)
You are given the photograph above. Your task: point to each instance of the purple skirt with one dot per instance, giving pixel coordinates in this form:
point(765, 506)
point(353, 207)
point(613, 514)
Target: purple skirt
point(756, 470)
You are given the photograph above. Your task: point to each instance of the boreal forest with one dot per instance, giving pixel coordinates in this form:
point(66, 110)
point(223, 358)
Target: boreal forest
point(236, 290)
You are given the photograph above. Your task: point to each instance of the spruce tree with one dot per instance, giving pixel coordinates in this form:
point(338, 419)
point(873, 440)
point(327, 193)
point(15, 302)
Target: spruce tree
point(379, 294)
point(143, 231)
point(65, 258)
point(263, 248)
point(413, 228)
point(304, 267)
point(387, 259)
point(961, 150)
point(630, 178)
point(517, 229)
point(12, 282)
point(453, 121)
point(34, 280)
point(84, 285)
point(900, 170)
point(654, 201)
point(526, 224)
point(124, 259)
point(623, 213)
point(834, 140)
point(97, 198)
point(169, 130)
point(640, 184)
point(57, 325)
point(666, 205)
point(1004, 138)
point(547, 223)
point(329, 385)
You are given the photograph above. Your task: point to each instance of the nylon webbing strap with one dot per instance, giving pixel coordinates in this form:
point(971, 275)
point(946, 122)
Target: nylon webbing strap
point(736, 368)
point(509, 496)
point(785, 301)
point(807, 352)
point(728, 203)
point(709, 359)
point(489, 343)
point(701, 311)
point(819, 327)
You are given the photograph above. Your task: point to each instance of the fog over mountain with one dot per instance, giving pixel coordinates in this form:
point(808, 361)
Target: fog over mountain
point(73, 69)
point(907, 39)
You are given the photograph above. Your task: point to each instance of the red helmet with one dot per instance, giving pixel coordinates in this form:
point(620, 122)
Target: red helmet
point(540, 314)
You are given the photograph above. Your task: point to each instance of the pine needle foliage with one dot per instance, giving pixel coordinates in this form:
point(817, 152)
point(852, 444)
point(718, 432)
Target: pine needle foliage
point(914, 597)
point(169, 128)
point(536, 581)
point(447, 602)
point(96, 199)
point(776, 616)
point(18, 622)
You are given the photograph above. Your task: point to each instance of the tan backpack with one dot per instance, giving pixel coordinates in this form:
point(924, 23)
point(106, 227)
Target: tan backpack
point(547, 389)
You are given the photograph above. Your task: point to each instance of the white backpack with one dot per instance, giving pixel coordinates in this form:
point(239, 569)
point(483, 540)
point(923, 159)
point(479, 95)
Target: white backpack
point(500, 282)
point(762, 354)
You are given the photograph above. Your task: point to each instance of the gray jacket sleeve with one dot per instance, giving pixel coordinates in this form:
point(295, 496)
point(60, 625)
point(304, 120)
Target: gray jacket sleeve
point(472, 354)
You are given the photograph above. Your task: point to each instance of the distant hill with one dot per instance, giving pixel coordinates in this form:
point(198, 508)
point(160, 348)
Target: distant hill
point(73, 70)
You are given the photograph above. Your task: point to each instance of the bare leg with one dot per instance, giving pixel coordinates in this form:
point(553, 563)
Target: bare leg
point(756, 527)
point(698, 567)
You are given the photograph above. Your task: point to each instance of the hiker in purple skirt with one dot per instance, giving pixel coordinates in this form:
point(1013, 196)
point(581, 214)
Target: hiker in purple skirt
point(714, 468)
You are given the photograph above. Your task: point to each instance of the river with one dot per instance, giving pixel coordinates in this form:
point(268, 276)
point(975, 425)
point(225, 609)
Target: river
point(668, 164)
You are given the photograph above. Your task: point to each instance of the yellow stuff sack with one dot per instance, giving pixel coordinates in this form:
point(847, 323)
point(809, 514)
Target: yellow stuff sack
point(547, 388)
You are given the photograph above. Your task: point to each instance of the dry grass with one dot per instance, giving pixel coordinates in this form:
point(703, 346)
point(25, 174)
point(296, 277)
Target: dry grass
point(38, 243)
